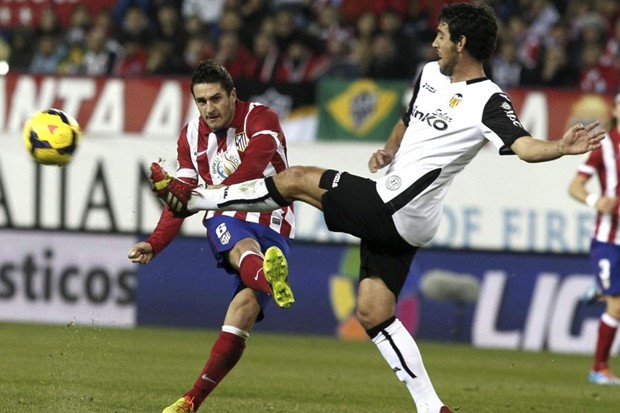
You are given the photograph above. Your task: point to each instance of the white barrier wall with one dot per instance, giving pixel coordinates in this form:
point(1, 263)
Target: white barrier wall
point(496, 203)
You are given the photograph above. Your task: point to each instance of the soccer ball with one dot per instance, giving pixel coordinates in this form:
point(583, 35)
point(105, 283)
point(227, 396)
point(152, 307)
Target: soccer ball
point(51, 137)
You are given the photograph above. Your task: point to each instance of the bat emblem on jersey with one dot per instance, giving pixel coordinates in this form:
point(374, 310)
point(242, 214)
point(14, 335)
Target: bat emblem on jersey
point(455, 100)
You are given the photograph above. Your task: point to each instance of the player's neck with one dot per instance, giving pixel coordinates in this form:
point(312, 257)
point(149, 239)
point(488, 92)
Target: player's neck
point(465, 71)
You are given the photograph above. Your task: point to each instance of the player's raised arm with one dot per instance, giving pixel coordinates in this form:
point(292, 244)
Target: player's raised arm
point(577, 140)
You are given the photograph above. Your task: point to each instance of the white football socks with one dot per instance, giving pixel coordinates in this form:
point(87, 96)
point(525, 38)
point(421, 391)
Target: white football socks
point(245, 196)
point(401, 352)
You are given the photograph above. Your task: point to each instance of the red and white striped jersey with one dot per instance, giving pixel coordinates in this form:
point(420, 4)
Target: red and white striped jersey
point(252, 147)
point(605, 164)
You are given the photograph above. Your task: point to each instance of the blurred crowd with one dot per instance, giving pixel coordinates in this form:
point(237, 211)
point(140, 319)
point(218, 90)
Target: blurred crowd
point(556, 43)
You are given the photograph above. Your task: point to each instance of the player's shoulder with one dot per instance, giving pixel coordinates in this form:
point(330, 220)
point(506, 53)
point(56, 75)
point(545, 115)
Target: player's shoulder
point(261, 116)
point(431, 71)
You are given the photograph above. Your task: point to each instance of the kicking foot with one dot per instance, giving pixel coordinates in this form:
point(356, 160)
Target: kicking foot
point(183, 405)
point(275, 269)
point(173, 191)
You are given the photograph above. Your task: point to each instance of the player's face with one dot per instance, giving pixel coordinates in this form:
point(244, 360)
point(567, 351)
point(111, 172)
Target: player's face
point(446, 50)
point(216, 107)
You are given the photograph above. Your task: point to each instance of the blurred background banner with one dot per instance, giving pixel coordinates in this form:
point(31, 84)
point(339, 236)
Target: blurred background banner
point(505, 300)
point(360, 110)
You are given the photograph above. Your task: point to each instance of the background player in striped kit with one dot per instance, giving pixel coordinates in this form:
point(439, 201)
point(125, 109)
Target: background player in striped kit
point(604, 164)
point(231, 141)
point(455, 110)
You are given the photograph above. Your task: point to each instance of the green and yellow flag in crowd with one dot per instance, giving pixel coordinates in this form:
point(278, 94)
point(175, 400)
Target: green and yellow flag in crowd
point(360, 110)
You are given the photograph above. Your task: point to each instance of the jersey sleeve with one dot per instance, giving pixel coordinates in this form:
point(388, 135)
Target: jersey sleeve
point(592, 164)
point(501, 119)
point(416, 88)
point(168, 225)
point(185, 165)
point(165, 231)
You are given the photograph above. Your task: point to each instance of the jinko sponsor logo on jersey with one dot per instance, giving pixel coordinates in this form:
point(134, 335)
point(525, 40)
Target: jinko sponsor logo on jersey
point(437, 120)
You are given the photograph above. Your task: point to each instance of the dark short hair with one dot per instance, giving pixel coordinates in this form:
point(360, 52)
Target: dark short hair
point(209, 71)
point(477, 22)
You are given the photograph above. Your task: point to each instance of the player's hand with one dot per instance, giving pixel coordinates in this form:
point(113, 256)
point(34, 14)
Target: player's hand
point(581, 139)
point(606, 204)
point(379, 159)
point(141, 253)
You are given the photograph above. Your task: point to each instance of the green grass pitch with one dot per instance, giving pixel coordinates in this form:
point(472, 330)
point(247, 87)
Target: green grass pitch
point(80, 369)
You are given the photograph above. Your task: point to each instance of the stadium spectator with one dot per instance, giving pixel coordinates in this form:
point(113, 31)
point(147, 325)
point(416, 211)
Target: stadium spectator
point(595, 76)
point(390, 23)
point(132, 60)
point(540, 15)
point(234, 56)
point(610, 10)
point(231, 141)
point(48, 55)
point(21, 50)
point(230, 21)
point(364, 32)
point(49, 24)
point(285, 28)
point(197, 49)
point(505, 67)
point(603, 165)
point(552, 70)
point(328, 24)
point(611, 51)
point(193, 26)
point(526, 43)
point(99, 56)
point(386, 61)
point(208, 15)
point(122, 7)
point(253, 13)
point(80, 22)
point(161, 61)
point(341, 62)
point(267, 58)
point(170, 29)
point(299, 62)
point(400, 212)
point(135, 25)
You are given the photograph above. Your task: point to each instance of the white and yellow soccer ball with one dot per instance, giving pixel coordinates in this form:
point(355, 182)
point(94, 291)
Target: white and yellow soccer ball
point(51, 137)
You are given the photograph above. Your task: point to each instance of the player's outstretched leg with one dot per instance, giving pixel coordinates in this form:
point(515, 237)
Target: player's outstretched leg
point(183, 405)
point(173, 191)
point(184, 198)
point(275, 269)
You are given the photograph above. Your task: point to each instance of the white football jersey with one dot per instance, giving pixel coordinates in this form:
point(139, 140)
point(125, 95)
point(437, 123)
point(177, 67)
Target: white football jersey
point(447, 124)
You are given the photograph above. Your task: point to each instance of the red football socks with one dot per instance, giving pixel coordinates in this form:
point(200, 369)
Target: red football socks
point(225, 354)
point(251, 272)
point(606, 334)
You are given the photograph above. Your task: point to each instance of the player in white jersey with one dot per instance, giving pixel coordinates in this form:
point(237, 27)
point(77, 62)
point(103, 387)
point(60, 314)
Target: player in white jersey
point(454, 111)
point(231, 141)
point(604, 164)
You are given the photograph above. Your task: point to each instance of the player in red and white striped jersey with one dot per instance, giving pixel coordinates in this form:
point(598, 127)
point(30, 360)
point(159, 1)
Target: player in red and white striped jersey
point(604, 163)
point(231, 142)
